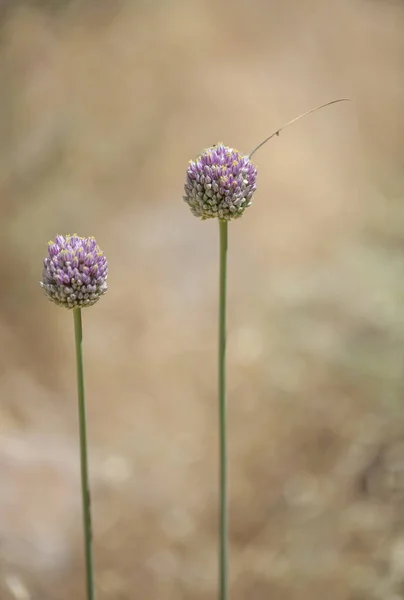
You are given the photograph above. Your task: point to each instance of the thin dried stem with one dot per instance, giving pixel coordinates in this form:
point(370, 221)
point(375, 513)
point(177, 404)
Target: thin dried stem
point(277, 132)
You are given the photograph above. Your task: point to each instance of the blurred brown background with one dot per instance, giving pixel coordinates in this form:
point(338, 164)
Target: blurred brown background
point(102, 103)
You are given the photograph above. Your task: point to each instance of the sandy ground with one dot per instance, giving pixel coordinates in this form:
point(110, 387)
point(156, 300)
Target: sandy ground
point(101, 106)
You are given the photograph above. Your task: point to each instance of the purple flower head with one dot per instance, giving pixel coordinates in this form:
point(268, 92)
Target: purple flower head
point(220, 184)
point(75, 272)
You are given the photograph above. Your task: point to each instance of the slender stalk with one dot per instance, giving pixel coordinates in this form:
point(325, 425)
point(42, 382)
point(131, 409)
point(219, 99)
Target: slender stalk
point(85, 484)
point(312, 110)
point(223, 543)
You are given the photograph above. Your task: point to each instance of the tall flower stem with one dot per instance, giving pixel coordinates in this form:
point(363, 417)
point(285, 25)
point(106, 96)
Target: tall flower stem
point(85, 484)
point(223, 542)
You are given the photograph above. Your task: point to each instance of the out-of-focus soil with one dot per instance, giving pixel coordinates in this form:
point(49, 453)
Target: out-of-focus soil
point(102, 104)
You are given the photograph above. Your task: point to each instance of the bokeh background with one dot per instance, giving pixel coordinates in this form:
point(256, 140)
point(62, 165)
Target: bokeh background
point(102, 104)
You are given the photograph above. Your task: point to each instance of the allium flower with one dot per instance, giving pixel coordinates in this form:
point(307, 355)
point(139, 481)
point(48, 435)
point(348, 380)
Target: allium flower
point(75, 273)
point(220, 184)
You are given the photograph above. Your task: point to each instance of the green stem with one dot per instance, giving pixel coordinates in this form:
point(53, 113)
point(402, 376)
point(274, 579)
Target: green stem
point(223, 551)
point(85, 485)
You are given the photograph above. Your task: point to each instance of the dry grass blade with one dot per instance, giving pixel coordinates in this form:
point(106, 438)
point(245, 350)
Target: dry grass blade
point(312, 110)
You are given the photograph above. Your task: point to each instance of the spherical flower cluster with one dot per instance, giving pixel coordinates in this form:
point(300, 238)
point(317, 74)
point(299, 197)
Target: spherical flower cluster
point(220, 184)
point(75, 272)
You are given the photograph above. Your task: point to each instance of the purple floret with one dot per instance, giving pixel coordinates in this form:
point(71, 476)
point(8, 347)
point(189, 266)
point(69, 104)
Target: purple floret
point(75, 272)
point(220, 184)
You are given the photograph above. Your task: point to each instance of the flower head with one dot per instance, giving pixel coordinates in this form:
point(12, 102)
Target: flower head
point(220, 184)
point(75, 272)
